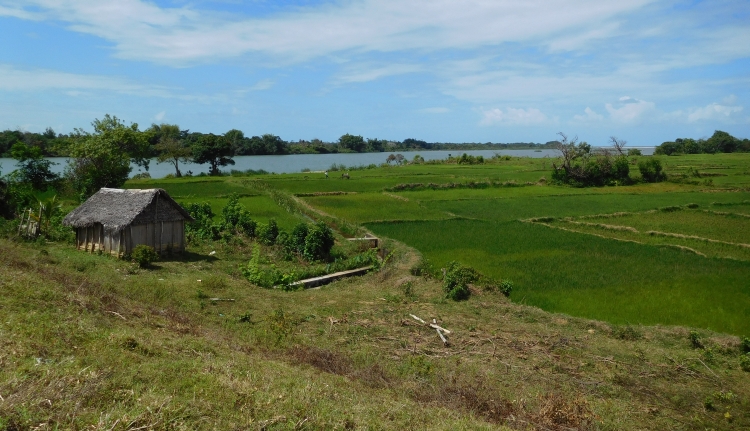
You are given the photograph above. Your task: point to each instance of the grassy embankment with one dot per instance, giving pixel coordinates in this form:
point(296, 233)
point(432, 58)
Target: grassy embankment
point(90, 342)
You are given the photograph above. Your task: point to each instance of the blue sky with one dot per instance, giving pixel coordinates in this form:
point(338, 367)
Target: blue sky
point(444, 71)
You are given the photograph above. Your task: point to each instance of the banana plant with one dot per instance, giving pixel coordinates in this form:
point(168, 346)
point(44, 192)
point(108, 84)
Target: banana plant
point(47, 209)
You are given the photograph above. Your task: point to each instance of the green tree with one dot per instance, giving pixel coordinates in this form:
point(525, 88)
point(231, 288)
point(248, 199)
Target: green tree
point(352, 143)
point(213, 149)
point(171, 149)
point(102, 159)
point(33, 168)
point(723, 142)
point(237, 139)
point(128, 139)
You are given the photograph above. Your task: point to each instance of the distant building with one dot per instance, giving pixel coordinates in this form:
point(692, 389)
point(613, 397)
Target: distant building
point(115, 221)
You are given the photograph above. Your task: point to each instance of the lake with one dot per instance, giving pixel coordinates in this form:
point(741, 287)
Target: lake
point(293, 163)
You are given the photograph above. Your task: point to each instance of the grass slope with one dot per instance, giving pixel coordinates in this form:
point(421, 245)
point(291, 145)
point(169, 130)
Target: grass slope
point(89, 342)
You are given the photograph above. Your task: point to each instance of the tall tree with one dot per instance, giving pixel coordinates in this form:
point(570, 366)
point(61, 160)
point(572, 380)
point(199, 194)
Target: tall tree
point(170, 147)
point(213, 149)
point(352, 143)
point(102, 159)
point(127, 138)
point(33, 168)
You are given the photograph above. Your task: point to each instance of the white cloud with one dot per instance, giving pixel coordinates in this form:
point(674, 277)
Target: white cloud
point(512, 116)
point(264, 84)
point(160, 116)
point(715, 111)
point(15, 79)
point(591, 115)
point(181, 35)
point(364, 73)
point(628, 109)
point(16, 12)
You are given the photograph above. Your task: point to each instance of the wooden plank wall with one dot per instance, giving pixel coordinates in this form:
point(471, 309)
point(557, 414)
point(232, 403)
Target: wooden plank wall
point(162, 236)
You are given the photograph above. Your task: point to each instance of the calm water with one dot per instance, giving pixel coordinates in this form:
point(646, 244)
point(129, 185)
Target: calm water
point(314, 162)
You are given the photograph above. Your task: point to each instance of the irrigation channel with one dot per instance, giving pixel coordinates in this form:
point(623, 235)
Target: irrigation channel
point(293, 163)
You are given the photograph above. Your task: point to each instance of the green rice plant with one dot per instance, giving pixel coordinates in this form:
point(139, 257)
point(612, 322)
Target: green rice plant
point(588, 276)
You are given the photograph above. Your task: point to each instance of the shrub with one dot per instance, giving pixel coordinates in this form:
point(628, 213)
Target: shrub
point(203, 228)
point(423, 268)
point(267, 233)
point(634, 152)
point(237, 218)
point(298, 236)
point(457, 279)
point(318, 242)
point(745, 345)
point(506, 286)
point(144, 255)
point(745, 362)
point(695, 340)
point(651, 170)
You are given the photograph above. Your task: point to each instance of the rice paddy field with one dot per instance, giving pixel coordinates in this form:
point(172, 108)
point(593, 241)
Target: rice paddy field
point(671, 253)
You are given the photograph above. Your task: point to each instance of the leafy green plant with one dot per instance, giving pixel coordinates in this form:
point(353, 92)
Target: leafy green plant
point(506, 286)
point(236, 218)
point(267, 233)
point(651, 170)
point(695, 340)
point(745, 345)
point(144, 255)
point(457, 279)
point(318, 242)
point(745, 362)
point(203, 228)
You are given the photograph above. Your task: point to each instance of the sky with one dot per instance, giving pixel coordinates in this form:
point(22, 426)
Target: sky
point(645, 71)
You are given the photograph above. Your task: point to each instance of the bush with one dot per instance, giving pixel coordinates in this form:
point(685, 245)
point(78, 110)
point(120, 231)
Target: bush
point(237, 218)
point(203, 228)
point(506, 286)
point(298, 236)
point(745, 345)
point(695, 340)
point(144, 255)
point(634, 152)
point(745, 362)
point(423, 268)
point(318, 242)
point(457, 279)
point(267, 233)
point(651, 170)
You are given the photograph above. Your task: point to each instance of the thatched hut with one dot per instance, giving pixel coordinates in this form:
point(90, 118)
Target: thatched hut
point(115, 221)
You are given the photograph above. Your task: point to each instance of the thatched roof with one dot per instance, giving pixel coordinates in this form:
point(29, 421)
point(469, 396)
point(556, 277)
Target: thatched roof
point(118, 208)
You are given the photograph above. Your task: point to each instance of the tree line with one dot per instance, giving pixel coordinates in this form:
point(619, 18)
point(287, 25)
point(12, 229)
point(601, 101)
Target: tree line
point(719, 142)
point(52, 144)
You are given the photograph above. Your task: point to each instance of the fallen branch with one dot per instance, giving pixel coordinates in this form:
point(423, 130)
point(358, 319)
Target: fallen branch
point(440, 330)
point(116, 314)
point(434, 326)
point(442, 337)
point(222, 299)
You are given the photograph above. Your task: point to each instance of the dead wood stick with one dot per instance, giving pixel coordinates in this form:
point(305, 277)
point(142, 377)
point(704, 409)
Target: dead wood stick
point(418, 319)
point(439, 328)
point(442, 337)
point(223, 299)
point(116, 314)
point(709, 369)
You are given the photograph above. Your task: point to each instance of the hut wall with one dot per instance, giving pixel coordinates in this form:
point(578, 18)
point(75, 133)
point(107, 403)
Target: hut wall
point(164, 237)
point(91, 238)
